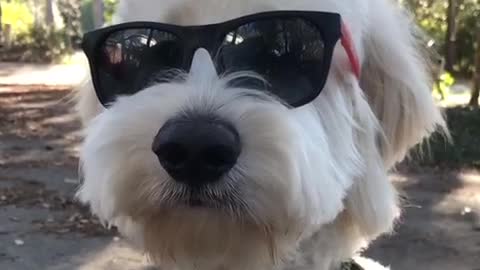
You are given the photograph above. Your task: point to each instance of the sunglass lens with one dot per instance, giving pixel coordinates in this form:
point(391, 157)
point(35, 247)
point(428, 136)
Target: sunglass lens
point(287, 52)
point(130, 60)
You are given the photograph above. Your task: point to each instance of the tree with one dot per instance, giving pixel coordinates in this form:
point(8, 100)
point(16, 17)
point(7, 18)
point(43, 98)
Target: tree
point(49, 18)
point(0, 21)
point(98, 10)
point(451, 36)
point(476, 76)
point(70, 11)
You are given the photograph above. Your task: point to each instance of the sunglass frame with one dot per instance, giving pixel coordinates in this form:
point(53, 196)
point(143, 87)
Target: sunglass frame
point(211, 37)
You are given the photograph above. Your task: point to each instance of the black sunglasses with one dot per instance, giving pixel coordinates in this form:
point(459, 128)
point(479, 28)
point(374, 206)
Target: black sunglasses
point(291, 50)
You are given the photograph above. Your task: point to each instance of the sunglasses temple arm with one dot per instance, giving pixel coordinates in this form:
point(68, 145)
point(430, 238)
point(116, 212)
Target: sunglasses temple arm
point(347, 43)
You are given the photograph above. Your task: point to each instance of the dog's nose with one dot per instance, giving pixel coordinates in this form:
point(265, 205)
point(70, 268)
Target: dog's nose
point(197, 151)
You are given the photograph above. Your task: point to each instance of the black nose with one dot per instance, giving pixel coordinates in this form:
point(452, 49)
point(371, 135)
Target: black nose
point(197, 151)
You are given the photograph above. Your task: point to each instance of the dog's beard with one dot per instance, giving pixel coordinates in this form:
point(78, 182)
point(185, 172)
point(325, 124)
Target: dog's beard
point(230, 226)
point(207, 239)
point(211, 228)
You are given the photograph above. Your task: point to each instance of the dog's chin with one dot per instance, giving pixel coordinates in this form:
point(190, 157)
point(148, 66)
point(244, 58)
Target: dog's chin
point(198, 234)
point(209, 229)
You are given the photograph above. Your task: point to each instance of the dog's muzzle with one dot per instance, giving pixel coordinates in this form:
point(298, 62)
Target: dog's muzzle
point(197, 150)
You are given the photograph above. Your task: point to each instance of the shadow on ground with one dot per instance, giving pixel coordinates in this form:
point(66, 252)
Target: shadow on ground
point(41, 226)
point(435, 232)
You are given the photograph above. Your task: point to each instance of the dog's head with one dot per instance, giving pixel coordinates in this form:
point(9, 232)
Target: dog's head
point(198, 168)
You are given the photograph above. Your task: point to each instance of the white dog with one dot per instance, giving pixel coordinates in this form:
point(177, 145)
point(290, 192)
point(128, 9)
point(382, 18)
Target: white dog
point(263, 185)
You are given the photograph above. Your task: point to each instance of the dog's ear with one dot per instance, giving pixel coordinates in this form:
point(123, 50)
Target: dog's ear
point(396, 83)
point(396, 80)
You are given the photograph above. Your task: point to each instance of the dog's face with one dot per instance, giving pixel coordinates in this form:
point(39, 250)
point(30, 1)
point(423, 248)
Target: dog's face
point(197, 170)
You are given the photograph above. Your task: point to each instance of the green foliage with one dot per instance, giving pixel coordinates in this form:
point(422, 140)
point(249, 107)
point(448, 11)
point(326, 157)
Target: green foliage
point(468, 21)
point(18, 15)
point(37, 44)
point(87, 18)
point(110, 6)
point(431, 15)
point(447, 79)
point(71, 14)
point(442, 87)
point(464, 151)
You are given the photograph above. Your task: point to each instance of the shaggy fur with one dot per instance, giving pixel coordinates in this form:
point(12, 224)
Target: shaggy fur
point(310, 188)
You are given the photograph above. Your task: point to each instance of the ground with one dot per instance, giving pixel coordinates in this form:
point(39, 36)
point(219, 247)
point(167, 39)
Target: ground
point(42, 227)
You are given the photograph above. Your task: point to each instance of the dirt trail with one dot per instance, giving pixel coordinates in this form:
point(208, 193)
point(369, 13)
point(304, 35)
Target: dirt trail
point(41, 227)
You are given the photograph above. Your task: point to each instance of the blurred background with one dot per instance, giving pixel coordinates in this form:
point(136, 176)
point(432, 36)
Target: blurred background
point(42, 227)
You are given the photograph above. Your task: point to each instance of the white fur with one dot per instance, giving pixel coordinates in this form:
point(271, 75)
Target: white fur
point(310, 186)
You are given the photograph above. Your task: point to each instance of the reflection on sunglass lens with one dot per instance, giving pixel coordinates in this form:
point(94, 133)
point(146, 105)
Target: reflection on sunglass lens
point(287, 52)
point(131, 59)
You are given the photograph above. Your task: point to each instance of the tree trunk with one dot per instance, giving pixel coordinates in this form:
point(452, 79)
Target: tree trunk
point(49, 19)
point(450, 39)
point(36, 15)
point(476, 75)
point(98, 13)
point(1, 21)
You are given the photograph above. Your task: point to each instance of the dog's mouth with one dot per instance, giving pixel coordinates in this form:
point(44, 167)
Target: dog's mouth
point(193, 202)
point(197, 201)
point(213, 199)
point(204, 199)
